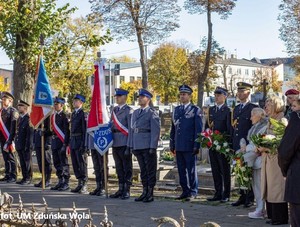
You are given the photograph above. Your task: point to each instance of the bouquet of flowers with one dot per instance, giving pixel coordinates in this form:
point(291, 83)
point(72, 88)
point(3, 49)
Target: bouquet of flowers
point(214, 140)
point(242, 172)
point(270, 141)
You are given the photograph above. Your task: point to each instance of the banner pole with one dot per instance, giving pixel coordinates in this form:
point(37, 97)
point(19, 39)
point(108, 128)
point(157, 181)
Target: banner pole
point(43, 156)
point(105, 173)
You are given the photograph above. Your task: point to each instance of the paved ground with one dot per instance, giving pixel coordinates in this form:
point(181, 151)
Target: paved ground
point(130, 213)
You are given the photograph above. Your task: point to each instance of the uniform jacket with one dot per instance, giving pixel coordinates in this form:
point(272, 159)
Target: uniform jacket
point(78, 130)
point(186, 125)
point(47, 134)
point(144, 129)
point(272, 181)
point(24, 134)
point(219, 119)
point(9, 118)
point(289, 159)
point(241, 123)
point(124, 117)
point(62, 122)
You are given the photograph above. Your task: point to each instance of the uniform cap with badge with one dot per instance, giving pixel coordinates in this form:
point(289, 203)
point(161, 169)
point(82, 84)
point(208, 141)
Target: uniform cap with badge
point(8, 95)
point(23, 103)
point(59, 100)
point(79, 97)
point(244, 86)
point(120, 92)
point(144, 92)
point(220, 90)
point(185, 89)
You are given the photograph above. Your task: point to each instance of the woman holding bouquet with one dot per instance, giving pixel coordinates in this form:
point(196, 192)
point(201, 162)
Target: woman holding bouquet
point(272, 181)
point(253, 159)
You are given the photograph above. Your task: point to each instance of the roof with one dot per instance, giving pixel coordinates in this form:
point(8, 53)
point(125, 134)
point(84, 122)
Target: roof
point(275, 61)
point(239, 62)
point(123, 65)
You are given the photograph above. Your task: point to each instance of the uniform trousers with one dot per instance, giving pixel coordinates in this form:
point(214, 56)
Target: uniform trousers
point(277, 212)
point(47, 159)
point(79, 163)
point(98, 164)
point(148, 166)
point(61, 164)
point(256, 186)
point(295, 214)
point(123, 165)
point(26, 164)
point(9, 162)
point(221, 174)
point(187, 170)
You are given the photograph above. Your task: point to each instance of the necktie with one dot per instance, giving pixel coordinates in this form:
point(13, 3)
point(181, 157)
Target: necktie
point(241, 106)
point(141, 111)
point(117, 109)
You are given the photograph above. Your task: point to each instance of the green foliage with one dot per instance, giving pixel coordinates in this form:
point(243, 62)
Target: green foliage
point(22, 24)
point(122, 59)
point(168, 156)
point(132, 87)
point(168, 68)
point(290, 22)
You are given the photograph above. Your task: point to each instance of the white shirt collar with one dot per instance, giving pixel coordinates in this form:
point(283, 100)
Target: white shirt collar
point(120, 107)
point(220, 106)
point(186, 105)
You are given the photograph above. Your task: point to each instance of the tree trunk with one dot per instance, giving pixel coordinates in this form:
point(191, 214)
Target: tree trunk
point(207, 58)
point(22, 83)
point(143, 60)
point(166, 99)
point(224, 76)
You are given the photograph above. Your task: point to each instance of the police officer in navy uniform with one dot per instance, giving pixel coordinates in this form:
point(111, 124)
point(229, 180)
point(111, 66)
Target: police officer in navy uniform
point(186, 125)
point(77, 145)
point(9, 116)
point(121, 118)
point(47, 149)
point(219, 118)
point(241, 124)
point(23, 142)
point(144, 134)
point(59, 147)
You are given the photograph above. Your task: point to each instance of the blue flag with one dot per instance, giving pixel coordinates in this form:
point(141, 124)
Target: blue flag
point(42, 93)
point(103, 138)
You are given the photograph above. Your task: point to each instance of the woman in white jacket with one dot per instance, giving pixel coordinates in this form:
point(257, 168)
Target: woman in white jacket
point(253, 159)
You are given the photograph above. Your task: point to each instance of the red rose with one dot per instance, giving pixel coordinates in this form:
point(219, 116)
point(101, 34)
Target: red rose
point(209, 144)
point(217, 132)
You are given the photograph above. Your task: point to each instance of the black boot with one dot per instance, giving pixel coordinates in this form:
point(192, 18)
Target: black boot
point(249, 199)
point(118, 193)
point(59, 184)
point(101, 192)
point(241, 200)
point(126, 192)
point(96, 189)
point(143, 195)
point(149, 197)
point(83, 189)
point(79, 186)
point(65, 186)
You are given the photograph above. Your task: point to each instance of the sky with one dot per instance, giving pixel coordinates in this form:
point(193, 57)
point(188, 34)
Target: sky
point(251, 31)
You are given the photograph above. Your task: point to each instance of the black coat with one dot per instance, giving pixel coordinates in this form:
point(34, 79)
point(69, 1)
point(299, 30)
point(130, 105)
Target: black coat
point(62, 122)
point(9, 117)
point(78, 130)
point(24, 134)
point(289, 159)
point(241, 124)
point(47, 135)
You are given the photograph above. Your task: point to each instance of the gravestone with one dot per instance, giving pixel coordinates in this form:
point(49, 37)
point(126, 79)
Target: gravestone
point(166, 122)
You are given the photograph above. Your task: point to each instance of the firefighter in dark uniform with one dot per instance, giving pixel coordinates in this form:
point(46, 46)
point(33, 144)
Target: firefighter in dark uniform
point(59, 144)
point(186, 125)
point(47, 148)
point(121, 117)
point(219, 118)
point(9, 116)
point(144, 134)
point(77, 145)
point(241, 124)
point(23, 142)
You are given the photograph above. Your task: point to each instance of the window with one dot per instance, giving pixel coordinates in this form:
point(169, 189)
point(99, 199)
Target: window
point(229, 70)
point(139, 78)
point(131, 79)
point(107, 80)
point(6, 80)
point(122, 79)
point(239, 71)
point(247, 72)
point(253, 72)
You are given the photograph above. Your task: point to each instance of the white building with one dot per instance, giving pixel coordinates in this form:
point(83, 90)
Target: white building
point(236, 70)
